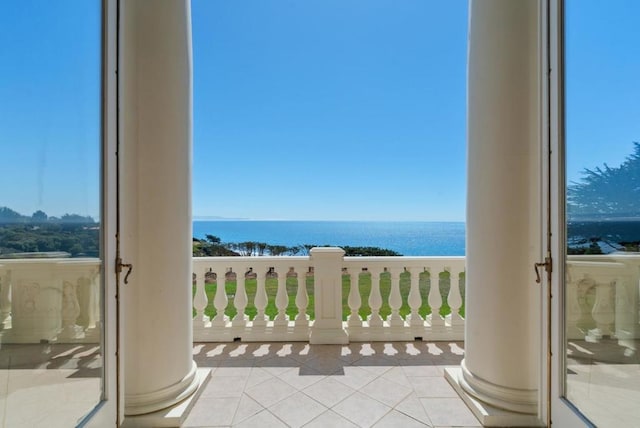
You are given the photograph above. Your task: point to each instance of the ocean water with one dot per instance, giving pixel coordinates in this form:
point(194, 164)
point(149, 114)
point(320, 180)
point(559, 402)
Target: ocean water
point(407, 238)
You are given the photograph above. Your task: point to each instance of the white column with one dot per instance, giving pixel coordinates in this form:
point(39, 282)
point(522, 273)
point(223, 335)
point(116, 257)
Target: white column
point(155, 155)
point(502, 338)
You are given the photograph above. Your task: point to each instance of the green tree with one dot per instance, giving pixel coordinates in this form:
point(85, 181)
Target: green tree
point(606, 192)
point(39, 217)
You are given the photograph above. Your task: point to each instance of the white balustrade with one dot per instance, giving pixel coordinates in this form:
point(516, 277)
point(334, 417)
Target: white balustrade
point(247, 291)
point(375, 282)
point(601, 299)
point(49, 300)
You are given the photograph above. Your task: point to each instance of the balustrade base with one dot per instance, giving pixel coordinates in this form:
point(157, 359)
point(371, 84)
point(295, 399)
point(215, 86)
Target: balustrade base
point(252, 333)
point(72, 333)
point(303, 333)
point(489, 416)
point(328, 336)
point(18, 336)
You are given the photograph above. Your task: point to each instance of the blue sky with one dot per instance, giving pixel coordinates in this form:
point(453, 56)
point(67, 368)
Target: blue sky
point(603, 82)
point(318, 109)
point(330, 109)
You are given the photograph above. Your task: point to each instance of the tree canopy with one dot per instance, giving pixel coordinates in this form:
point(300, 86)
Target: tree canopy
point(607, 192)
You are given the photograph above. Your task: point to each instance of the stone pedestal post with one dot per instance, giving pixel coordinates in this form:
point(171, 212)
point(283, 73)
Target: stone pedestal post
point(327, 271)
point(155, 194)
point(499, 377)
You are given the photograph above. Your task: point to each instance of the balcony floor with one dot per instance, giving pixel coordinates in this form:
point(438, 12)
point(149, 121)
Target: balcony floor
point(395, 384)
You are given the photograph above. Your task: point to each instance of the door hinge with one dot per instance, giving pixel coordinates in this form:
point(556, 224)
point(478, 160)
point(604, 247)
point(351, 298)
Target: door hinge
point(120, 265)
point(548, 267)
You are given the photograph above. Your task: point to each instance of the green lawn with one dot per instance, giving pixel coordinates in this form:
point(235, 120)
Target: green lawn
point(364, 286)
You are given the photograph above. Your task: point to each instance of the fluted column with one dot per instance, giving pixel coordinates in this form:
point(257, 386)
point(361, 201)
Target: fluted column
point(502, 339)
point(155, 164)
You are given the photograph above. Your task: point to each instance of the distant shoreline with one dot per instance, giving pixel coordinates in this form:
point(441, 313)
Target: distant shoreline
point(410, 238)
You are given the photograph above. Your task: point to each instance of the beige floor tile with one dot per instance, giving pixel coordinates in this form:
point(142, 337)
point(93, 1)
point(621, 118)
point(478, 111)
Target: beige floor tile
point(270, 392)
point(264, 419)
point(395, 419)
point(448, 412)
point(212, 412)
point(386, 391)
point(325, 365)
point(397, 375)
point(301, 379)
point(247, 407)
point(224, 387)
point(257, 376)
point(377, 367)
point(432, 387)
point(361, 409)
point(241, 371)
point(297, 409)
point(355, 377)
point(420, 370)
point(329, 391)
point(330, 419)
point(278, 365)
point(411, 406)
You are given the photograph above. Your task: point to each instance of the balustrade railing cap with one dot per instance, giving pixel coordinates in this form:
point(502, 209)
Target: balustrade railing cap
point(326, 252)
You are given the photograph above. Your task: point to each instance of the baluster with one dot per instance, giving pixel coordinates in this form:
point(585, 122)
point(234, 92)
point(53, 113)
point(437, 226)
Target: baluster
point(220, 300)
point(355, 301)
point(435, 299)
point(5, 299)
point(70, 311)
point(240, 300)
point(302, 300)
point(94, 299)
point(573, 311)
point(375, 300)
point(200, 301)
point(282, 300)
point(415, 300)
point(603, 311)
point(395, 299)
point(260, 300)
point(454, 298)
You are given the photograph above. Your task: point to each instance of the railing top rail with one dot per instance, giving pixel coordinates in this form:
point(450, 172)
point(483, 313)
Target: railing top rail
point(253, 262)
point(604, 257)
point(65, 261)
point(251, 259)
point(403, 259)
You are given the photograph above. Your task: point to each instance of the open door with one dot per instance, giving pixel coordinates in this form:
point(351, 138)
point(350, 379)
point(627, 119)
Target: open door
point(560, 411)
point(594, 214)
point(109, 411)
point(58, 206)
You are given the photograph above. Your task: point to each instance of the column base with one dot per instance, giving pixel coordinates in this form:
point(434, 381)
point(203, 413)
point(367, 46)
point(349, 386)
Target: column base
point(487, 414)
point(175, 415)
point(140, 404)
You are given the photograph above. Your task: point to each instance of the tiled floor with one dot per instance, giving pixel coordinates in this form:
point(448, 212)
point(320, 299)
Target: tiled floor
point(398, 384)
point(603, 381)
point(52, 386)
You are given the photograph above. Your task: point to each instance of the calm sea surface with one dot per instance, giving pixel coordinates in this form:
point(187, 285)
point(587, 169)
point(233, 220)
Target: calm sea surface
point(407, 238)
